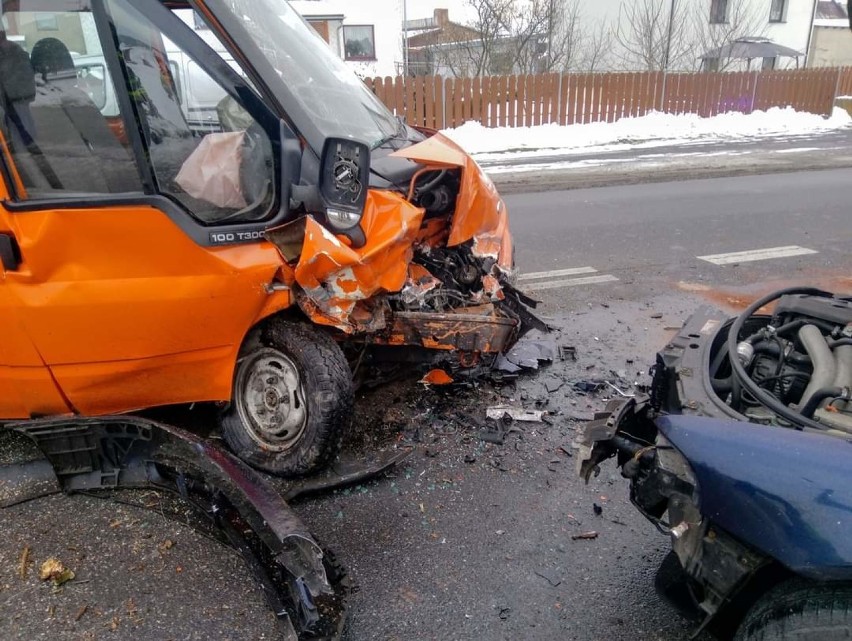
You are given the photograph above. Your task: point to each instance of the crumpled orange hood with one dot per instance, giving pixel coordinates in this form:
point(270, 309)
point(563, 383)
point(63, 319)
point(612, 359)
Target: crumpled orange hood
point(480, 212)
point(341, 285)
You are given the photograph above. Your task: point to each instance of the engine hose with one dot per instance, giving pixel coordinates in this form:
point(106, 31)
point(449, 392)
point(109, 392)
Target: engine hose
point(765, 347)
point(721, 386)
point(819, 396)
point(839, 342)
point(739, 373)
point(825, 367)
point(798, 323)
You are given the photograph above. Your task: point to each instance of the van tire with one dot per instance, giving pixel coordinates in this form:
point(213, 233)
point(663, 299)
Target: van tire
point(798, 610)
point(292, 400)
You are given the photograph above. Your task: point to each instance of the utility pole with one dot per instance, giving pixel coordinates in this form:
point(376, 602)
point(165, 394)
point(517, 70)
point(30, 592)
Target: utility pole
point(666, 60)
point(405, 38)
point(669, 37)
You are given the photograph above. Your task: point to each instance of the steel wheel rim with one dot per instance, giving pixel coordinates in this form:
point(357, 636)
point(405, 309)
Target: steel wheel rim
point(270, 399)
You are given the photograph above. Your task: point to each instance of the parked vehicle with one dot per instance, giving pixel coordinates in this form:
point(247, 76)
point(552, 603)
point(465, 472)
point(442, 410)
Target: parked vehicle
point(209, 214)
point(741, 454)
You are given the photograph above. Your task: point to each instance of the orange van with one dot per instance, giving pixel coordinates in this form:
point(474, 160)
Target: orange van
point(176, 250)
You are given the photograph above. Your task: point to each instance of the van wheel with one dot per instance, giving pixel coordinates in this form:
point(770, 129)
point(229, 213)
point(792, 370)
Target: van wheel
point(800, 611)
point(292, 400)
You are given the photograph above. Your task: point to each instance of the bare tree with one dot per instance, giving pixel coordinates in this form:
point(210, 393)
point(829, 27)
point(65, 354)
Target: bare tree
point(548, 36)
point(744, 20)
point(596, 49)
point(516, 36)
point(645, 35)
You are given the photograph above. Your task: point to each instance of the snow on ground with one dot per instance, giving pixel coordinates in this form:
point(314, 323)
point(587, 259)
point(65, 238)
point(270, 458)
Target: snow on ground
point(654, 130)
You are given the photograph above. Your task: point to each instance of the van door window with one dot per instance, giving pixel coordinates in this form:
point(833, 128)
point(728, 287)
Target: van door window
point(63, 133)
point(205, 149)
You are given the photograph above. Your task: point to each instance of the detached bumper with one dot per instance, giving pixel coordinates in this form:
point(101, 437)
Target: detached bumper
point(305, 589)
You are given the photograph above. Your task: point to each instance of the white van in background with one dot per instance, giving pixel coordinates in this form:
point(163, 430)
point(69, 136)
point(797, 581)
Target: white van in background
point(198, 94)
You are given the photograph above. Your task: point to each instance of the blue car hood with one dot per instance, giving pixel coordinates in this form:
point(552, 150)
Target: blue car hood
point(784, 492)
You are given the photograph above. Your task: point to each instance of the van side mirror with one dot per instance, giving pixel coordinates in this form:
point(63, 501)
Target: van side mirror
point(344, 181)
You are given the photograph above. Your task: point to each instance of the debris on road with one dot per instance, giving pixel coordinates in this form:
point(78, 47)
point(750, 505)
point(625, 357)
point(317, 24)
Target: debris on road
point(589, 387)
point(54, 570)
point(493, 432)
point(437, 377)
point(553, 385)
point(550, 577)
point(618, 391)
point(585, 536)
point(528, 354)
point(25, 562)
point(516, 414)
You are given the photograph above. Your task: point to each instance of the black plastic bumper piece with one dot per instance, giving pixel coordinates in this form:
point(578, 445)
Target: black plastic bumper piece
point(305, 589)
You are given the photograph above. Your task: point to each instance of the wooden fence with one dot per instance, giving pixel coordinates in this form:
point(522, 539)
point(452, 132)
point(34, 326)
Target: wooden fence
point(565, 99)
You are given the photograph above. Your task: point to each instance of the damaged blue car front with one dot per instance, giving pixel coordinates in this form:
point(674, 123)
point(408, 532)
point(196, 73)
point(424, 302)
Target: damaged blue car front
point(758, 506)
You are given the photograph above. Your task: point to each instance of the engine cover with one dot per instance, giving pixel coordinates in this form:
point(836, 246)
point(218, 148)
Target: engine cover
point(832, 310)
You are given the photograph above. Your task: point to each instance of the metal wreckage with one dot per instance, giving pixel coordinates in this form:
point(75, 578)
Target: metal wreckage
point(741, 455)
point(162, 247)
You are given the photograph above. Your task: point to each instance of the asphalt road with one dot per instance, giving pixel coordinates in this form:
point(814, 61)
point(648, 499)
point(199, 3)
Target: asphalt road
point(470, 540)
point(651, 236)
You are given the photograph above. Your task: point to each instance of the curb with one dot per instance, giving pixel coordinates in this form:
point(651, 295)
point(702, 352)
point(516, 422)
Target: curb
point(617, 174)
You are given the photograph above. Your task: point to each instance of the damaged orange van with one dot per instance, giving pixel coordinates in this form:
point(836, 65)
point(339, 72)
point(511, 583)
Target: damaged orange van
point(220, 234)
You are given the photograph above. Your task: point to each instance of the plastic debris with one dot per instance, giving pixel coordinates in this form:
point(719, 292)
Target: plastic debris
point(437, 377)
point(618, 391)
point(589, 386)
point(497, 413)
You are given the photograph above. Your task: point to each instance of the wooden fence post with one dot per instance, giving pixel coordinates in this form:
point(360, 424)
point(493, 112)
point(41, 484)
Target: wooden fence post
point(836, 89)
point(558, 119)
point(754, 90)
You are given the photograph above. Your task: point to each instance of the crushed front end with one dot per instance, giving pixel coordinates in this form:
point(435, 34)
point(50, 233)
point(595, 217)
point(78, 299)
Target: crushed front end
point(713, 566)
point(740, 451)
point(434, 270)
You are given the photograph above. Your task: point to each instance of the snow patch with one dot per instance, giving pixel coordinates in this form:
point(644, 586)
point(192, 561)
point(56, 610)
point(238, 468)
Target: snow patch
point(654, 129)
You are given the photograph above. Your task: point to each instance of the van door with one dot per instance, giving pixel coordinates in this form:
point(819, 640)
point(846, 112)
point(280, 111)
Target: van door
point(136, 285)
point(26, 386)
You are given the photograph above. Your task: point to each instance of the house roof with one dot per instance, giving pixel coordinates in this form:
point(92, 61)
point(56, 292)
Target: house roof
point(751, 48)
point(325, 10)
point(440, 30)
point(831, 10)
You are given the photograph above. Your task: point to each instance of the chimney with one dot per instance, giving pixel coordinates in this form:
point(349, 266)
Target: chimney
point(442, 17)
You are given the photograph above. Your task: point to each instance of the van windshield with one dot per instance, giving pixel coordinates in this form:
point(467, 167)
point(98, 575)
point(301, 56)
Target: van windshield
point(339, 103)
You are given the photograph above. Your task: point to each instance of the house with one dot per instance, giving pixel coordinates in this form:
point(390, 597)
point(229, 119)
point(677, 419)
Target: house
point(494, 45)
point(367, 34)
point(756, 34)
point(437, 46)
point(831, 44)
point(700, 27)
point(779, 30)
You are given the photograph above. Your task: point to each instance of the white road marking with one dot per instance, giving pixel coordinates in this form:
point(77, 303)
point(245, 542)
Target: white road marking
point(570, 282)
point(556, 273)
point(757, 254)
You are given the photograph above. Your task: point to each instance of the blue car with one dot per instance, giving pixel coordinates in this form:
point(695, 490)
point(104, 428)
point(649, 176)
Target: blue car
point(742, 454)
